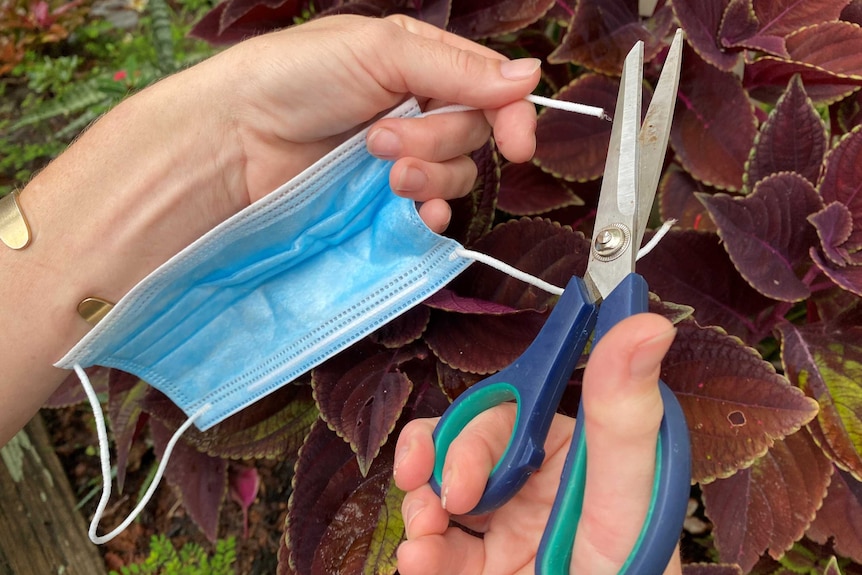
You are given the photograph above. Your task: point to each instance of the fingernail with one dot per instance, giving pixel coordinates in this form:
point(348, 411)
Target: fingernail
point(519, 69)
point(411, 512)
point(646, 359)
point(448, 476)
point(412, 180)
point(384, 143)
point(400, 455)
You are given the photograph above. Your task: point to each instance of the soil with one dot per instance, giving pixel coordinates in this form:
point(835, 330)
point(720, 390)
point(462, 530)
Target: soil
point(73, 435)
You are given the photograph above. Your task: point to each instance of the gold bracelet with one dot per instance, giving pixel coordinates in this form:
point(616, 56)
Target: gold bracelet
point(14, 229)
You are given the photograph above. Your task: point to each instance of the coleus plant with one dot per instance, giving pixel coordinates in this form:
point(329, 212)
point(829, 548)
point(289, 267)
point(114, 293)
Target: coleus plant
point(762, 276)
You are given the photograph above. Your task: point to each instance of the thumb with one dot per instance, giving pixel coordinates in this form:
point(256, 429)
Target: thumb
point(623, 411)
point(436, 64)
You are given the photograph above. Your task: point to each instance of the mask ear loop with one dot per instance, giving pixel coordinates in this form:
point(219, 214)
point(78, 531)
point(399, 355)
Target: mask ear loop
point(105, 457)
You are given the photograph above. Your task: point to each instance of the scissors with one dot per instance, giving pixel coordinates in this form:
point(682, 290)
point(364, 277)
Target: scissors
point(609, 292)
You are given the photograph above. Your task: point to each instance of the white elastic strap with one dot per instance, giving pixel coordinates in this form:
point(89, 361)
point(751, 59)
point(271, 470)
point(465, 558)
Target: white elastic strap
point(105, 457)
point(509, 270)
point(540, 283)
point(569, 106)
point(660, 233)
point(538, 100)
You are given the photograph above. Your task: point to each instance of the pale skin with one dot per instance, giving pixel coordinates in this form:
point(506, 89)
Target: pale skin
point(170, 163)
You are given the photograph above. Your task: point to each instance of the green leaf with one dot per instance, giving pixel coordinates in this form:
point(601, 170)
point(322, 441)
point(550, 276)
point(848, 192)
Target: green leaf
point(825, 361)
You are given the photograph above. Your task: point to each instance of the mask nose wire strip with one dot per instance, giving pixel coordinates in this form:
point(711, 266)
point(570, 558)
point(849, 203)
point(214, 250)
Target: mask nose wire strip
point(105, 458)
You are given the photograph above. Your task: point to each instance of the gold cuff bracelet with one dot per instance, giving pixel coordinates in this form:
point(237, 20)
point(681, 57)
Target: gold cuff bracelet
point(14, 229)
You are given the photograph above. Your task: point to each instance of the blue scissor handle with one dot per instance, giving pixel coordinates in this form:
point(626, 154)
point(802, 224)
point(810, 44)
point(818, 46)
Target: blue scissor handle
point(663, 525)
point(536, 381)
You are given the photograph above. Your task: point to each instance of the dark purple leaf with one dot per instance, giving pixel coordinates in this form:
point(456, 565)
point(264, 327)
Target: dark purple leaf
point(453, 382)
point(823, 360)
point(841, 182)
point(602, 32)
point(353, 544)
point(525, 190)
point(827, 57)
point(338, 521)
point(427, 398)
point(834, 224)
point(767, 233)
point(71, 392)
point(736, 405)
point(739, 29)
point(404, 329)
point(678, 200)
point(480, 19)
point(199, 479)
point(846, 277)
point(768, 22)
point(235, 20)
point(125, 395)
point(766, 77)
point(572, 146)
point(840, 518)
point(793, 139)
point(482, 343)
point(769, 505)
point(710, 569)
point(711, 148)
point(781, 17)
point(473, 215)
point(447, 300)
point(692, 268)
point(701, 21)
point(361, 392)
point(849, 112)
point(539, 247)
point(272, 427)
point(435, 12)
point(853, 12)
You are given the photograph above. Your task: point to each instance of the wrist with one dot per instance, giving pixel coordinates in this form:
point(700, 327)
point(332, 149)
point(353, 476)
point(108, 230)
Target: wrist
point(142, 183)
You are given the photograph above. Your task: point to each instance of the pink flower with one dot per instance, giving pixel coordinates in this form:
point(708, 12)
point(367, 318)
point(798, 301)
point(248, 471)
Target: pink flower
point(120, 75)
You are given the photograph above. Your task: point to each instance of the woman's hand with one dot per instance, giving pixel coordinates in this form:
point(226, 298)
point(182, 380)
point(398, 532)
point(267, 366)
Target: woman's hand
point(623, 410)
point(294, 95)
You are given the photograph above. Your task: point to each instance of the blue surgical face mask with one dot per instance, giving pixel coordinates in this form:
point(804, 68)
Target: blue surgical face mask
point(272, 292)
point(277, 289)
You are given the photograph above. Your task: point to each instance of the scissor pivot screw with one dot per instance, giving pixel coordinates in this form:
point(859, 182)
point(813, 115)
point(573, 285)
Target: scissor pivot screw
point(610, 242)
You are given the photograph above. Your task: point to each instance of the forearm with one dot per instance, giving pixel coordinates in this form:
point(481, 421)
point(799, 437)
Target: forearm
point(103, 216)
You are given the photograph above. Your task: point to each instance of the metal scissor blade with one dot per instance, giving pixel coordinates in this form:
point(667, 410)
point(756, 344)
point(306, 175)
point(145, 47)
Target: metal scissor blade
point(655, 133)
point(618, 210)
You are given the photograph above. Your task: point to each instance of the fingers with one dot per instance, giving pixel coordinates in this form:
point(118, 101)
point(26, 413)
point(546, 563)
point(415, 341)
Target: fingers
point(453, 552)
point(469, 460)
point(433, 138)
point(440, 65)
point(623, 410)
